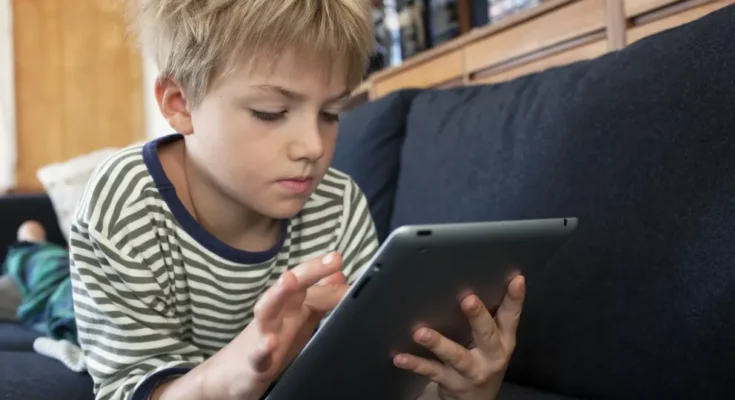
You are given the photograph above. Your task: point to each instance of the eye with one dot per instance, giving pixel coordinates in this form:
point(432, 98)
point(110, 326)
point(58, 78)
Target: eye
point(268, 116)
point(330, 117)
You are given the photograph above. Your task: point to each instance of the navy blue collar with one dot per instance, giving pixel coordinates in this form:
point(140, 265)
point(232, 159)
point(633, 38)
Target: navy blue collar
point(187, 221)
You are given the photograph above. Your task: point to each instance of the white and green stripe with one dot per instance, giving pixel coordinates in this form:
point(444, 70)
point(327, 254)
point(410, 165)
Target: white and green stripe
point(148, 296)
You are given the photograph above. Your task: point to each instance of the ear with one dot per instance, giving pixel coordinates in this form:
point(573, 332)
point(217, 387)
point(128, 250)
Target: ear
point(173, 106)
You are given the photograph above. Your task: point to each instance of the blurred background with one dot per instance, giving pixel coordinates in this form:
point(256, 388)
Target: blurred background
point(72, 81)
point(404, 28)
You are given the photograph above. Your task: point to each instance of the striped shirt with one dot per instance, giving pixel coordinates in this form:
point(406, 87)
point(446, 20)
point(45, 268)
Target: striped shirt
point(155, 294)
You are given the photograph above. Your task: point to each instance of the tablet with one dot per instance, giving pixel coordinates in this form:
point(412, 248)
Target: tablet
point(417, 277)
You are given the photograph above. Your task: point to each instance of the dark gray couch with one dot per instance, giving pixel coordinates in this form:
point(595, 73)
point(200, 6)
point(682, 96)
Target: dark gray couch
point(23, 373)
point(639, 144)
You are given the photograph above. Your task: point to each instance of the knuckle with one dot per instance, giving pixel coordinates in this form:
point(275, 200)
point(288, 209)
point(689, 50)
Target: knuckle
point(258, 309)
point(457, 357)
point(477, 378)
point(435, 373)
point(487, 334)
point(465, 362)
point(428, 369)
point(483, 374)
point(497, 367)
point(480, 377)
point(488, 370)
point(423, 369)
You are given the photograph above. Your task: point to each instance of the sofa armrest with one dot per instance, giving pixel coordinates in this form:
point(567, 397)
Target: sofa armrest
point(16, 209)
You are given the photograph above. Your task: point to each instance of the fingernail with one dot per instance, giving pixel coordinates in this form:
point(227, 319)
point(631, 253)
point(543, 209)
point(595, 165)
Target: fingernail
point(400, 360)
point(425, 335)
point(328, 259)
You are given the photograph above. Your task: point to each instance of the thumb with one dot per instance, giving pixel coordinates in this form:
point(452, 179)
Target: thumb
point(323, 298)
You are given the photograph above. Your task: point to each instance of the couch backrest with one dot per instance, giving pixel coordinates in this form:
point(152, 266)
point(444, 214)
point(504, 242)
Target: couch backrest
point(640, 145)
point(369, 149)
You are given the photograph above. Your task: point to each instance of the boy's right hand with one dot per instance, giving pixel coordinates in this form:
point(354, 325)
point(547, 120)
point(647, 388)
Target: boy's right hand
point(285, 319)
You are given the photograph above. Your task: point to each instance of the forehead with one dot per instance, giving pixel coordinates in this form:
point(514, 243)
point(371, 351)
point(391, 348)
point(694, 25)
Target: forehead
point(299, 71)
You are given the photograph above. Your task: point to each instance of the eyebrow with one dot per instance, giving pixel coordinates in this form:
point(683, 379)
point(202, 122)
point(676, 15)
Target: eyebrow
point(299, 96)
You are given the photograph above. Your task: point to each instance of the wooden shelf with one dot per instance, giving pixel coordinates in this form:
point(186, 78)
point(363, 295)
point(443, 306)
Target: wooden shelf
point(672, 20)
point(362, 89)
point(556, 33)
point(472, 36)
point(573, 20)
point(634, 8)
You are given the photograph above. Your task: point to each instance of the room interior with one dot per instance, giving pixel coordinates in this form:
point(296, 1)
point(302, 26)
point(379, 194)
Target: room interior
point(74, 89)
point(80, 84)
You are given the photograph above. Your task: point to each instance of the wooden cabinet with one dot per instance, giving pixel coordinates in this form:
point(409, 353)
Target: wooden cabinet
point(584, 52)
point(432, 72)
point(645, 29)
point(556, 33)
point(571, 21)
point(78, 82)
point(634, 8)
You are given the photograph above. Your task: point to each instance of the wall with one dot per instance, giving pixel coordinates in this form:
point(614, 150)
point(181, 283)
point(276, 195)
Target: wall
point(156, 125)
point(7, 100)
point(79, 82)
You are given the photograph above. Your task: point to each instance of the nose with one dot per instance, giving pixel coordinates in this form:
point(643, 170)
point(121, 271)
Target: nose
point(308, 144)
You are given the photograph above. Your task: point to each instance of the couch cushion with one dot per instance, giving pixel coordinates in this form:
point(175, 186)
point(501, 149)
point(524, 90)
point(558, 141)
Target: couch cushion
point(65, 183)
point(368, 149)
point(16, 337)
point(30, 376)
point(639, 145)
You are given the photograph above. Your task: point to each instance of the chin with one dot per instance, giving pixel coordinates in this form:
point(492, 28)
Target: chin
point(284, 209)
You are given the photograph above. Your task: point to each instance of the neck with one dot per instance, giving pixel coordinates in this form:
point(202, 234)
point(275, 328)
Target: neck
point(222, 216)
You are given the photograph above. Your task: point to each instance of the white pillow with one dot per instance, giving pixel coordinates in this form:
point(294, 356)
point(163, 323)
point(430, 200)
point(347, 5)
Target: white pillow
point(65, 182)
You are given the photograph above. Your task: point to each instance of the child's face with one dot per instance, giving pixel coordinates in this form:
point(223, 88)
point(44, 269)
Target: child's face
point(265, 139)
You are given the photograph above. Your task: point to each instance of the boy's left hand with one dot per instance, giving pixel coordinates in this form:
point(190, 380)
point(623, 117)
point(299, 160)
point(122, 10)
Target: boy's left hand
point(477, 373)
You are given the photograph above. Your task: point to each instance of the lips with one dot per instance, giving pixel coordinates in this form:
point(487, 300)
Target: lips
point(297, 185)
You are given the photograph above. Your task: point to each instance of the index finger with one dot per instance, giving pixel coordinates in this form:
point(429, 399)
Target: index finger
point(312, 271)
point(267, 310)
point(484, 329)
point(509, 312)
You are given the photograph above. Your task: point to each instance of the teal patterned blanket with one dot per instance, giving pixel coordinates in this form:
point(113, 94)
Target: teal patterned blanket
point(41, 272)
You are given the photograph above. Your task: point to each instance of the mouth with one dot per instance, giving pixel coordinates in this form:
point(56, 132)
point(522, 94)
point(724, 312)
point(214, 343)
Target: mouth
point(297, 185)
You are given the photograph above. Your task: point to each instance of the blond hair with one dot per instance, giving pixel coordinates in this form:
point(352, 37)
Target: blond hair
point(195, 42)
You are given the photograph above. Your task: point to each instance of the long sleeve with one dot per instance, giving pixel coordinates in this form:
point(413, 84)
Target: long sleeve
point(125, 309)
point(359, 241)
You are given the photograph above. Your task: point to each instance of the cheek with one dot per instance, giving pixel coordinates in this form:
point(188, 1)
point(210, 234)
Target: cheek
point(217, 122)
point(329, 141)
point(230, 133)
point(228, 144)
point(329, 132)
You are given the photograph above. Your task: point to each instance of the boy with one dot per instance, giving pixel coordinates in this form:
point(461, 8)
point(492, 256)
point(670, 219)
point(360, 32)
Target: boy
point(203, 261)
